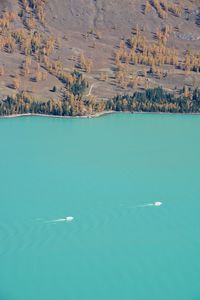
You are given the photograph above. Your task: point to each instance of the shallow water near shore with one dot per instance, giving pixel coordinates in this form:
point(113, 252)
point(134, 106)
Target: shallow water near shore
point(102, 172)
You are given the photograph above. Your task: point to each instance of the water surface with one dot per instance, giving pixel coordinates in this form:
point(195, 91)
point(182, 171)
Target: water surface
point(100, 171)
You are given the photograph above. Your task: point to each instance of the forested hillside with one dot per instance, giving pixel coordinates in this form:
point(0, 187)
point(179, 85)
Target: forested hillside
point(91, 51)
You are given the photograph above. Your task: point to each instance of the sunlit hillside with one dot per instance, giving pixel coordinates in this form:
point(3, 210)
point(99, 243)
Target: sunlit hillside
point(118, 46)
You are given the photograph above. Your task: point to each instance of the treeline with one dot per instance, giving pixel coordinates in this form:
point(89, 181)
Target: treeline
point(152, 100)
point(157, 100)
point(68, 106)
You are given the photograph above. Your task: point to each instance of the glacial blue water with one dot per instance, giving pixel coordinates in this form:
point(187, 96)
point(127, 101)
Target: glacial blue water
point(102, 172)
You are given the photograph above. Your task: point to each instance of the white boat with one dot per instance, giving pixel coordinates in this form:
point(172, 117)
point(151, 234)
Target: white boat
point(69, 218)
point(157, 203)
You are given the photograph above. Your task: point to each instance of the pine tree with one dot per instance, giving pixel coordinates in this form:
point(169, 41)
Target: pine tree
point(16, 82)
point(2, 71)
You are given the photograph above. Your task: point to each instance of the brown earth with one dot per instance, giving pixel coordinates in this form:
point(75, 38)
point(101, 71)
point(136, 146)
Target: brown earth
point(95, 28)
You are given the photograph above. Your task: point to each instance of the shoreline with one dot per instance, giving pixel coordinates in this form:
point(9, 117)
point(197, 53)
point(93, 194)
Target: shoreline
point(97, 115)
point(58, 117)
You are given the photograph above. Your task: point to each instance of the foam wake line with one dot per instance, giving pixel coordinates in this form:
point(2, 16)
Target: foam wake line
point(58, 220)
point(157, 203)
point(145, 205)
point(67, 219)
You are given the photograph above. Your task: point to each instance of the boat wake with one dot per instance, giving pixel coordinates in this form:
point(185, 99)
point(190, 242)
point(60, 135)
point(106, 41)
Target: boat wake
point(67, 219)
point(150, 204)
point(145, 205)
point(57, 220)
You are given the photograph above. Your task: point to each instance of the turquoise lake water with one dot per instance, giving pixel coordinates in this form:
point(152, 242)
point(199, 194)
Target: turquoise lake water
point(101, 171)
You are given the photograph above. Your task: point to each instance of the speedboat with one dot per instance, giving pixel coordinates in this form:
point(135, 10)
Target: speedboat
point(157, 203)
point(69, 219)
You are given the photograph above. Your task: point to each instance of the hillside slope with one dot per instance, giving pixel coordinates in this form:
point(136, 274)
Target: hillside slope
point(119, 46)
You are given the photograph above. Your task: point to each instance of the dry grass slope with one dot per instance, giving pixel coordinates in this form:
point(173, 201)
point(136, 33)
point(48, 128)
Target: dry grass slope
point(119, 46)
